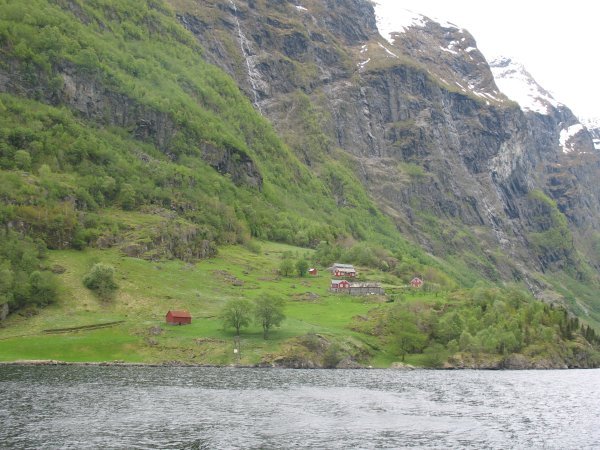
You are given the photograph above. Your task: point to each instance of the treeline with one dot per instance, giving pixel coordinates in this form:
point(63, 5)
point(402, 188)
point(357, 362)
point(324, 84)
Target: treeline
point(492, 321)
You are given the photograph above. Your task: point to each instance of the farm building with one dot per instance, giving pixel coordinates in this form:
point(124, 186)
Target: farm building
point(416, 282)
point(366, 289)
point(312, 271)
point(343, 270)
point(339, 286)
point(179, 318)
point(346, 287)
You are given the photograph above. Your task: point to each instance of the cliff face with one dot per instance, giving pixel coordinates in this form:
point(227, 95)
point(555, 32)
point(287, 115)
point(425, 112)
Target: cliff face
point(419, 118)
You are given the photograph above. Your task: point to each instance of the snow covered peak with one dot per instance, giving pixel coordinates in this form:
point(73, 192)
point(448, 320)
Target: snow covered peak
point(593, 126)
point(518, 85)
point(445, 51)
point(391, 20)
point(591, 123)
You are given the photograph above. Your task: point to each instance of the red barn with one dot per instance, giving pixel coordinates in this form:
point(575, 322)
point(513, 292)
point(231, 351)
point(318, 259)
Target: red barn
point(179, 318)
point(416, 282)
point(339, 285)
point(312, 271)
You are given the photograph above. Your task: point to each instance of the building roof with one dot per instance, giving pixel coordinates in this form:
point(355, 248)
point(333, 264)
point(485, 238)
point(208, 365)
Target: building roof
point(345, 269)
point(180, 314)
point(343, 266)
point(365, 285)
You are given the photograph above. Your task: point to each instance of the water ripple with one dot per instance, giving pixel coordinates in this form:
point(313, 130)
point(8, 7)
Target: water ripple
point(74, 407)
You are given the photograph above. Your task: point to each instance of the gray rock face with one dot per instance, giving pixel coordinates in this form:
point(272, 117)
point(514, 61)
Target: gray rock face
point(448, 156)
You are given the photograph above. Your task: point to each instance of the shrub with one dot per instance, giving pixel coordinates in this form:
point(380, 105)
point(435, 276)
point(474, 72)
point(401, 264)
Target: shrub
point(100, 279)
point(43, 288)
point(23, 159)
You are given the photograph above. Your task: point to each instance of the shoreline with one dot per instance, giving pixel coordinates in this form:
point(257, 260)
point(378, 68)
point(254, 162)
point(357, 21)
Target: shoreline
point(52, 362)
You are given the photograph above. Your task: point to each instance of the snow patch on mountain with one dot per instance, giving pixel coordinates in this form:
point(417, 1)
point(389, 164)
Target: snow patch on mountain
point(566, 135)
point(392, 20)
point(593, 126)
point(388, 51)
point(395, 23)
point(518, 85)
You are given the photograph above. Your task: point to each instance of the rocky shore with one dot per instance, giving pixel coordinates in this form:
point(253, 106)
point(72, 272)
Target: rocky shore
point(512, 362)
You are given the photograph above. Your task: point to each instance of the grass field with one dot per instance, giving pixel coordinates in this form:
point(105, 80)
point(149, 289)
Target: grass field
point(147, 290)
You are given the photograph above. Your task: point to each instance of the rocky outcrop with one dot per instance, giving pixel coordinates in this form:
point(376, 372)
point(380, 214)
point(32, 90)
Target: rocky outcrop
point(516, 361)
point(316, 351)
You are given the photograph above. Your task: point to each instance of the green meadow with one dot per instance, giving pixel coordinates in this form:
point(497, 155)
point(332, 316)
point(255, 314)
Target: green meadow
point(321, 328)
point(131, 327)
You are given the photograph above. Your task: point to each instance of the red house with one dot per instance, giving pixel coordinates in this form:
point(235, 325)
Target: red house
point(312, 271)
point(179, 318)
point(343, 270)
point(416, 282)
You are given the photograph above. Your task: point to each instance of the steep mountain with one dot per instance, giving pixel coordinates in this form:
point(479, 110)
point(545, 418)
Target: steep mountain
point(418, 117)
point(170, 129)
point(110, 109)
point(570, 181)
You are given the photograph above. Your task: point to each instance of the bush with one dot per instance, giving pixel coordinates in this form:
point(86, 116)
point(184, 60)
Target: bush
point(332, 356)
point(434, 355)
point(253, 247)
point(23, 159)
point(100, 279)
point(43, 288)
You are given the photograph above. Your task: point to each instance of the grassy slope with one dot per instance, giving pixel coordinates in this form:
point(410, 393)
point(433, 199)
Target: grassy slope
point(149, 289)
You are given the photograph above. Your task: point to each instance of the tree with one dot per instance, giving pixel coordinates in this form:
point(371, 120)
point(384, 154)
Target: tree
point(268, 311)
point(100, 279)
point(286, 268)
point(409, 341)
point(407, 338)
point(301, 267)
point(236, 314)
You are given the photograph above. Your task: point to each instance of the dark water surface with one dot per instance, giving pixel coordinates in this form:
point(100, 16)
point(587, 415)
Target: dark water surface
point(80, 407)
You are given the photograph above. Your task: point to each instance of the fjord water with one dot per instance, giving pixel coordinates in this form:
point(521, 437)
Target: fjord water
point(78, 407)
